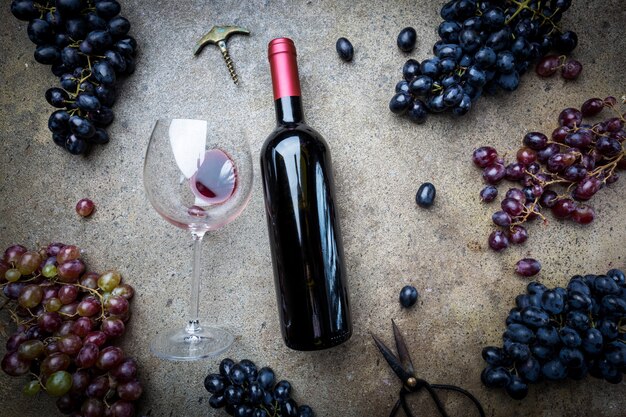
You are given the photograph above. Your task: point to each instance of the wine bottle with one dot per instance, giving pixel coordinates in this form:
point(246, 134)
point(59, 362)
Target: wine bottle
point(305, 239)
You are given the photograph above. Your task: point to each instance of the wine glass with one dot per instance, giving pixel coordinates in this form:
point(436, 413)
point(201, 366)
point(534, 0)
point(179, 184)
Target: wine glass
point(198, 176)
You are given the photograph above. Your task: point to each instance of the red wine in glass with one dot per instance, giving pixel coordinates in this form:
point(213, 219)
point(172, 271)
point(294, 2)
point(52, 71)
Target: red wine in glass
point(216, 178)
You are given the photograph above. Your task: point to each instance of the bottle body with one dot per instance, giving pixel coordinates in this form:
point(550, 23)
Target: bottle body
point(304, 233)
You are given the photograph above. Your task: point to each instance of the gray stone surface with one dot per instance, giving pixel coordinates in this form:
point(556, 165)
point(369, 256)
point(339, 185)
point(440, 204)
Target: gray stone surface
point(380, 160)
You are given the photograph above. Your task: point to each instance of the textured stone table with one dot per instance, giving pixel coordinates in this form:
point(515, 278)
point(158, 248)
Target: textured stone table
point(380, 160)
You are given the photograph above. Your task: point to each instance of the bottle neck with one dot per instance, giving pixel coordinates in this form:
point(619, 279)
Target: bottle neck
point(289, 110)
point(285, 81)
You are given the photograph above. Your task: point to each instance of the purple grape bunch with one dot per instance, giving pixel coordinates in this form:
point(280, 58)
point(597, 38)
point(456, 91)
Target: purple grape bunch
point(561, 172)
point(68, 321)
point(87, 45)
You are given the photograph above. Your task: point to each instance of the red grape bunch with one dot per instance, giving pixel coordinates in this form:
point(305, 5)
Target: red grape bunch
point(560, 172)
point(550, 64)
point(68, 320)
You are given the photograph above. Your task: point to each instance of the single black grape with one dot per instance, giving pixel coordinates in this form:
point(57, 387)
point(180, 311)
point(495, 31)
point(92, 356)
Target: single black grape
point(71, 57)
point(95, 22)
point(265, 378)
point(344, 49)
point(215, 383)
point(100, 137)
point(118, 26)
point(249, 368)
point(75, 145)
point(282, 391)
point(47, 54)
point(76, 28)
point(400, 103)
point(425, 196)
point(234, 395)
point(81, 127)
point(305, 411)
point(101, 117)
point(99, 40)
point(406, 39)
point(57, 97)
point(418, 111)
point(225, 366)
point(411, 69)
point(217, 401)
point(40, 32)
point(237, 375)
point(59, 122)
point(408, 296)
point(24, 10)
point(108, 9)
point(87, 102)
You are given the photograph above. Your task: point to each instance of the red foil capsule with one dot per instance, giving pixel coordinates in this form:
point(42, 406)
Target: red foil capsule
point(284, 68)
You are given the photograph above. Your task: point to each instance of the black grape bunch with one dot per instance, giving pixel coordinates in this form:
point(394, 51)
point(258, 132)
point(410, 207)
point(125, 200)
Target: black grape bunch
point(243, 390)
point(87, 44)
point(559, 333)
point(485, 47)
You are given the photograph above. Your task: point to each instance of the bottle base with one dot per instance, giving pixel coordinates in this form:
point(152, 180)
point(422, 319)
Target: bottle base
point(322, 344)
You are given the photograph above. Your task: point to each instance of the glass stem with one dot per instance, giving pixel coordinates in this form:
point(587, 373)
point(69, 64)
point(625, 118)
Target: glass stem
point(194, 323)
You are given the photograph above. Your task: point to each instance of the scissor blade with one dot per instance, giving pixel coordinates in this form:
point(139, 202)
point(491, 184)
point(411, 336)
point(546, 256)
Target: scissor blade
point(391, 360)
point(395, 409)
point(403, 352)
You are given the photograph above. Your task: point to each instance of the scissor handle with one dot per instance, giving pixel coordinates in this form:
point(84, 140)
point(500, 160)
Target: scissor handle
point(433, 394)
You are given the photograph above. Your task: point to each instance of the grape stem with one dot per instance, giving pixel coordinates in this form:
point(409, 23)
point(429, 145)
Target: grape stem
point(38, 380)
point(97, 294)
point(528, 212)
point(17, 320)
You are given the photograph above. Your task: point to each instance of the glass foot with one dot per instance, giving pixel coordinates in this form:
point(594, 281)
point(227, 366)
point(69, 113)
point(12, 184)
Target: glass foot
point(192, 343)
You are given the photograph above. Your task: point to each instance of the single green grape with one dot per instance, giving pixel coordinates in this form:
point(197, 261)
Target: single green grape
point(49, 271)
point(30, 349)
point(52, 304)
point(106, 295)
point(12, 274)
point(31, 388)
point(109, 280)
point(30, 296)
point(29, 262)
point(59, 383)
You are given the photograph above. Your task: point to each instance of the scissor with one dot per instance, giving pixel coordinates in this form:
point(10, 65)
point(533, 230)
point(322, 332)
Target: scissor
point(403, 367)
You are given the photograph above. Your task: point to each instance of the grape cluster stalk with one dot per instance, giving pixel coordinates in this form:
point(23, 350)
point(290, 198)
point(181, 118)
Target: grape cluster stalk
point(561, 172)
point(484, 47)
point(68, 320)
point(559, 333)
point(243, 390)
point(87, 45)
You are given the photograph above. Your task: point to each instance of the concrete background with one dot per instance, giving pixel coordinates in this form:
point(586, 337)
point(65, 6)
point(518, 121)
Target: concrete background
point(380, 161)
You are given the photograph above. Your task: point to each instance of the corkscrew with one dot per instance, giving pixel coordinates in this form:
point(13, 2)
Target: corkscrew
point(218, 35)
